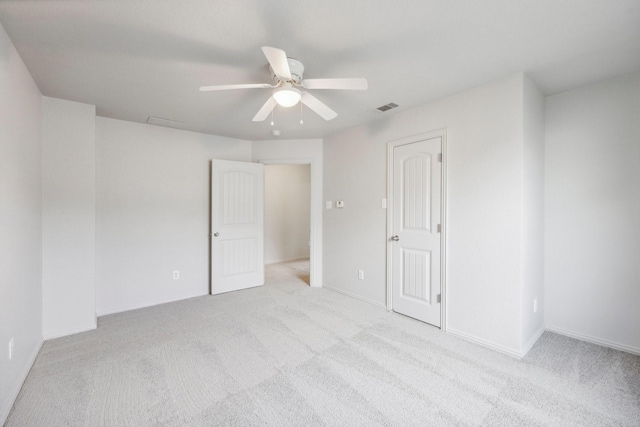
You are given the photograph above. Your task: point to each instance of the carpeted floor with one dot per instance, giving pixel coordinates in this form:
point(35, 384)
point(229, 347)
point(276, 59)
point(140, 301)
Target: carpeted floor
point(287, 354)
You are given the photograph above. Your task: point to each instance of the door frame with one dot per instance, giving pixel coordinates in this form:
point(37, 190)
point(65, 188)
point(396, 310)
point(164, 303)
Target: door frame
point(443, 215)
point(315, 249)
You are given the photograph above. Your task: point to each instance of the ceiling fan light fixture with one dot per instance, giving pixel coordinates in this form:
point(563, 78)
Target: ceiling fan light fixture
point(287, 74)
point(287, 96)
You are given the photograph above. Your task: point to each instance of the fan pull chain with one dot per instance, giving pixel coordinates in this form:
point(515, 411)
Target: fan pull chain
point(301, 122)
point(272, 112)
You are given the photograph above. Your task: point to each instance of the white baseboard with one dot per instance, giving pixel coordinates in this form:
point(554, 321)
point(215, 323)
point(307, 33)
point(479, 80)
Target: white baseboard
point(486, 343)
point(349, 294)
point(302, 258)
point(532, 341)
point(145, 305)
point(594, 340)
point(54, 335)
point(13, 394)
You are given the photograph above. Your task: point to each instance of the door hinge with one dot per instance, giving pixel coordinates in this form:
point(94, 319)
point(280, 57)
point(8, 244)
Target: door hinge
point(439, 298)
point(439, 228)
point(440, 157)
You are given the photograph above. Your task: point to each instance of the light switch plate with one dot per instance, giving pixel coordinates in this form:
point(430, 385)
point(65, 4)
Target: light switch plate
point(329, 204)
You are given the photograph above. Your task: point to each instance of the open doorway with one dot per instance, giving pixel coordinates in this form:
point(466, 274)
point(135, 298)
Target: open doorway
point(287, 222)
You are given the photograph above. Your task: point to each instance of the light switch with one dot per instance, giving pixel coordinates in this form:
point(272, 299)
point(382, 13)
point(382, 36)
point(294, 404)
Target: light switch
point(340, 204)
point(329, 204)
point(384, 204)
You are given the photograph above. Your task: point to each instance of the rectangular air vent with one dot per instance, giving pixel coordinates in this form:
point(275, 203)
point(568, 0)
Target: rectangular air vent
point(387, 107)
point(164, 122)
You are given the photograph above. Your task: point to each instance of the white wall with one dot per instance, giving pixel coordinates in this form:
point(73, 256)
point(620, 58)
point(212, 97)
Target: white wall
point(485, 174)
point(153, 212)
point(69, 217)
point(592, 213)
point(20, 222)
point(287, 190)
point(532, 216)
point(301, 151)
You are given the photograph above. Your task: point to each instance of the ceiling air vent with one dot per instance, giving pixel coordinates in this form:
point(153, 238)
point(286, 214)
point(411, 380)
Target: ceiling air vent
point(164, 122)
point(387, 107)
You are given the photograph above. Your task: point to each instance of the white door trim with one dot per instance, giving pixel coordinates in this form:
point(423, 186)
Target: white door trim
point(443, 212)
point(315, 250)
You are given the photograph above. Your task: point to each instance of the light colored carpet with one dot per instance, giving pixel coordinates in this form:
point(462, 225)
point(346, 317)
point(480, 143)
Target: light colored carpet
point(288, 354)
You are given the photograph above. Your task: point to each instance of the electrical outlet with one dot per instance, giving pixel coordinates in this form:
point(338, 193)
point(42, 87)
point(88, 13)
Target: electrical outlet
point(11, 345)
point(176, 274)
point(535, 305)
point(340, 204)
point(361, 274)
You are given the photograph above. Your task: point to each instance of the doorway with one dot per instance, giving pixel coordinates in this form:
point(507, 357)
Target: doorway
point(416, 226)
point(287, 219)
point(315, 216)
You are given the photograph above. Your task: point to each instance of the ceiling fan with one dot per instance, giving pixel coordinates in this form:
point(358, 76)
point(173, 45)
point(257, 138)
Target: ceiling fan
point(287, 74)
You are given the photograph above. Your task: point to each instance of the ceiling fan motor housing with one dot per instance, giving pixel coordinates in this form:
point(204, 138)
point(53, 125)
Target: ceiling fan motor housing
point(296, 68)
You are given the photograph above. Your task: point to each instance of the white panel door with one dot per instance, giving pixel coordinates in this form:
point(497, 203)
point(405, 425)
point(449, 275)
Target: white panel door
point(416, 199)
point(237, 225)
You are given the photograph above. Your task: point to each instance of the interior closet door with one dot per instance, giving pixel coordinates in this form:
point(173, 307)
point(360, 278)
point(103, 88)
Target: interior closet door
point(416, 205)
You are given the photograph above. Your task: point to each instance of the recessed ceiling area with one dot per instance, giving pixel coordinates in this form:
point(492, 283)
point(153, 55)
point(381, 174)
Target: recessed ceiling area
point(137, 59)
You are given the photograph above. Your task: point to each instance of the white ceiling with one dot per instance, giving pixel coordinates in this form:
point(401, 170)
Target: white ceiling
point(134, 59)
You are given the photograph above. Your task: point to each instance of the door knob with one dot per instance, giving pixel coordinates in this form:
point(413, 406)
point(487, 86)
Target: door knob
point(395, 238)
point(216, 234)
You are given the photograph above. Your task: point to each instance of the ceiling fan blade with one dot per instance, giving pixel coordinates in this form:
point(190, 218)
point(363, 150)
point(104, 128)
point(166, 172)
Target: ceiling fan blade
point(348, 84)
point(278, 60)
point(317, 106)
point(245, 86)
point(263, 113)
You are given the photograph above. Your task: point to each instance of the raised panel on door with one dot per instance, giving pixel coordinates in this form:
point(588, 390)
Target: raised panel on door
point(237, 221)
point(416, 177)
point(239, 198)
point(416, 274)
